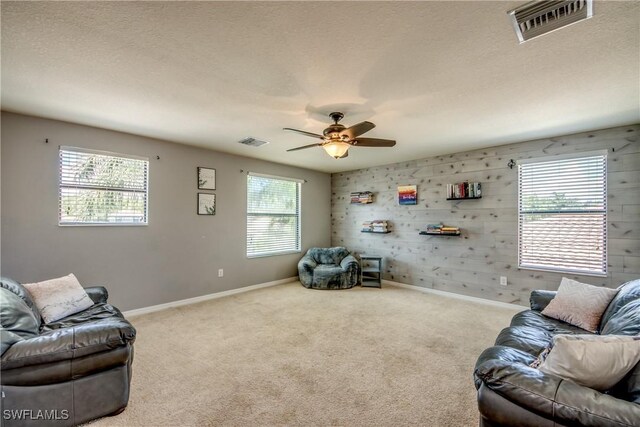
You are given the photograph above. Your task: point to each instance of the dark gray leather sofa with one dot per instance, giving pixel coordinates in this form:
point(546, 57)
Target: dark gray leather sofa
point(510, 393)
point(67, 372)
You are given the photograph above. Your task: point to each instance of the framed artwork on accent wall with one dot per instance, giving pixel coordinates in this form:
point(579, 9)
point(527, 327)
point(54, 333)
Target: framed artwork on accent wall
point(206, 179)
point(408, 195)
point(206, 204)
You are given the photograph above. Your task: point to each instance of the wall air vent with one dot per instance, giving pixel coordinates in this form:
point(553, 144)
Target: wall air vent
point(541, 17)
point(252, 142)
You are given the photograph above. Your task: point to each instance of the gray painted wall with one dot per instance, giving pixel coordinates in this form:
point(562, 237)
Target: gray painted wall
point(178, 254)
point(472, 264)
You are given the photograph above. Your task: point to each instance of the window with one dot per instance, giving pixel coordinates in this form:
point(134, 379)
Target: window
point(273, 215)
point(100, 188)
point(562, 221)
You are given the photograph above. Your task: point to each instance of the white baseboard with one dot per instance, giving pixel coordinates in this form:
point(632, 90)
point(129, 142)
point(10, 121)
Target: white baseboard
point(453, 295)
point(151, 309)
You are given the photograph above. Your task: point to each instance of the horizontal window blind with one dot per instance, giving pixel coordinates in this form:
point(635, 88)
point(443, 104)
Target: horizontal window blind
point(102, 188)
point(562, 218)
point(273, 216)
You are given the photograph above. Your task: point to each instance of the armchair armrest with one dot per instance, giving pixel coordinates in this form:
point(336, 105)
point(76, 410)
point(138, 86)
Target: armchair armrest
point(97, 294)
point(349, 261)
point(69, 343)
point(540, 299)
point(557, 399)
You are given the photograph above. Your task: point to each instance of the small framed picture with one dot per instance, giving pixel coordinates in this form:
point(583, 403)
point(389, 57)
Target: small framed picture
point(206, 204)
point(407, 195)
point(206, 179)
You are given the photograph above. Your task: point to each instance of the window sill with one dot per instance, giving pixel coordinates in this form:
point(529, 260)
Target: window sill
point(115, 224)
point(264, 255)
point(563, 271)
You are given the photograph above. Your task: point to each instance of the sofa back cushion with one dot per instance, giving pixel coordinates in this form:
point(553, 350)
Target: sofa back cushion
point(627, 292)
point(625, 321)
point(17, 321)
point(328, 255)
point(19, 290)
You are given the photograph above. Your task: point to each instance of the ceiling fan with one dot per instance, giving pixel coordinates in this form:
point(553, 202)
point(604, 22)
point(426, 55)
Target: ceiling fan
point(337, 139)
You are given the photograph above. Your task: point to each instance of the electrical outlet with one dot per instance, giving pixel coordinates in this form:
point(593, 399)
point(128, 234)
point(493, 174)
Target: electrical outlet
point(220, 272)
point(503, 280)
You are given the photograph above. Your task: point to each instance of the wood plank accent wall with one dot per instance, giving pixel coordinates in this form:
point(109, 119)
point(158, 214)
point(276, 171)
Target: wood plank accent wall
point(473, 263)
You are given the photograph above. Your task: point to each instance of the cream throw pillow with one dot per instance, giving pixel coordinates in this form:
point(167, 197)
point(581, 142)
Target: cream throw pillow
point(594, 361)
point(58, 298)
point(579, 304)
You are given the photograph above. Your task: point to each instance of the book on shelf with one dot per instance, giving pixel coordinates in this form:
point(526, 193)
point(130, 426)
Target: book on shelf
point(361, 197)
point(376, 226)
point(441, 229)
point(464, 190)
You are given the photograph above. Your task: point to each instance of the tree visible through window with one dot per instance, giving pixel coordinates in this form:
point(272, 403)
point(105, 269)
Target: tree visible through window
point(562, 217)
point(102, 188)
point(273, 216)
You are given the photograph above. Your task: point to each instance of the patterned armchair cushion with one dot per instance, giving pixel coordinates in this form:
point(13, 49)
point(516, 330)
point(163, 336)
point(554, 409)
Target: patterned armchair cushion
point(328, 268)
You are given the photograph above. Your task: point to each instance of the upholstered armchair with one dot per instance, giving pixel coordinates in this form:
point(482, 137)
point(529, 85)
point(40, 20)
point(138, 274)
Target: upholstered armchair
point(329, 268)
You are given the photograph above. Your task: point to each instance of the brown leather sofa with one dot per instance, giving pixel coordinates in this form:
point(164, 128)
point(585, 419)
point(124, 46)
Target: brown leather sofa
point(63, 373)
point(510, 393)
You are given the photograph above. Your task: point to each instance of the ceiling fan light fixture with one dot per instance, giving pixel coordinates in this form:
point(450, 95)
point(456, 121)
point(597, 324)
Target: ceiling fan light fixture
point(336, 149)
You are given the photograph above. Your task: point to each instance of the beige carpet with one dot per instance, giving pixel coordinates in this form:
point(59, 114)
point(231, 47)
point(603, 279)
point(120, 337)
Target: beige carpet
point(287, 355)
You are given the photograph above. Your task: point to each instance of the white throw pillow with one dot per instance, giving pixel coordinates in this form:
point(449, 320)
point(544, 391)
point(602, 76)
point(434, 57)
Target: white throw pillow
point(58, 298)
point(594, 361)
point(580, 304)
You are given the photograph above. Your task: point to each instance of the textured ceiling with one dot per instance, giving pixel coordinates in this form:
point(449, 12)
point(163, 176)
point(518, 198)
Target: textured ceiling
point(439, 77)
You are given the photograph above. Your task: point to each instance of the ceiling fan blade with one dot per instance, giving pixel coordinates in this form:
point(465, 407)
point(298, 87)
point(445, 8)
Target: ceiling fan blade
point(305, 133)
point(357, 130)
point(373, 142)
point(304, 146)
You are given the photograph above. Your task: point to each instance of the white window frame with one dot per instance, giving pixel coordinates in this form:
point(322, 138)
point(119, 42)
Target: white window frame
point(298, 248)
point(143, 223)
point(604, 212)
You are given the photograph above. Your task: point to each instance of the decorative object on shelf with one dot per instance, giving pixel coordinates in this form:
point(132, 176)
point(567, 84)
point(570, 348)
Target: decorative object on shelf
point(464, 190)
point(441, 230)
point(371, 274)
point(206, 204)
point(378, 226)
point(361, 197)
point(206, 179)
point(408, 195)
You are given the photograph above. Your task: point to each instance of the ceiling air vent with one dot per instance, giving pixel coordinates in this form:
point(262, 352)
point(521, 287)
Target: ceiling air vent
point(252, 142)
point(541, 17)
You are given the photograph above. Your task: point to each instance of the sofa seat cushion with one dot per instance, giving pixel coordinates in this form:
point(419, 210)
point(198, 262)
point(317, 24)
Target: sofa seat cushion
point(525, 338)
point(94, 313)
point(538, 320)
point(67, 370)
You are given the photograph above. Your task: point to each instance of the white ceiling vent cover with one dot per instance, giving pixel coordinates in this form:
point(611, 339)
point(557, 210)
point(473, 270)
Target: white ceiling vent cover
point(541, 17)
point(252, 142)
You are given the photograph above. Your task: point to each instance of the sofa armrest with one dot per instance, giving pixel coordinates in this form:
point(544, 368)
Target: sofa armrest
point(97, 294)
point(563, 401)
point(540, 299)
point(69, 343)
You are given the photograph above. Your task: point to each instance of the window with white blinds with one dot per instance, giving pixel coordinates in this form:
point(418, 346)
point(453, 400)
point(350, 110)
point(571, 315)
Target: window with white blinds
point(100, 188)
point(562, 224)
point(273, 215)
